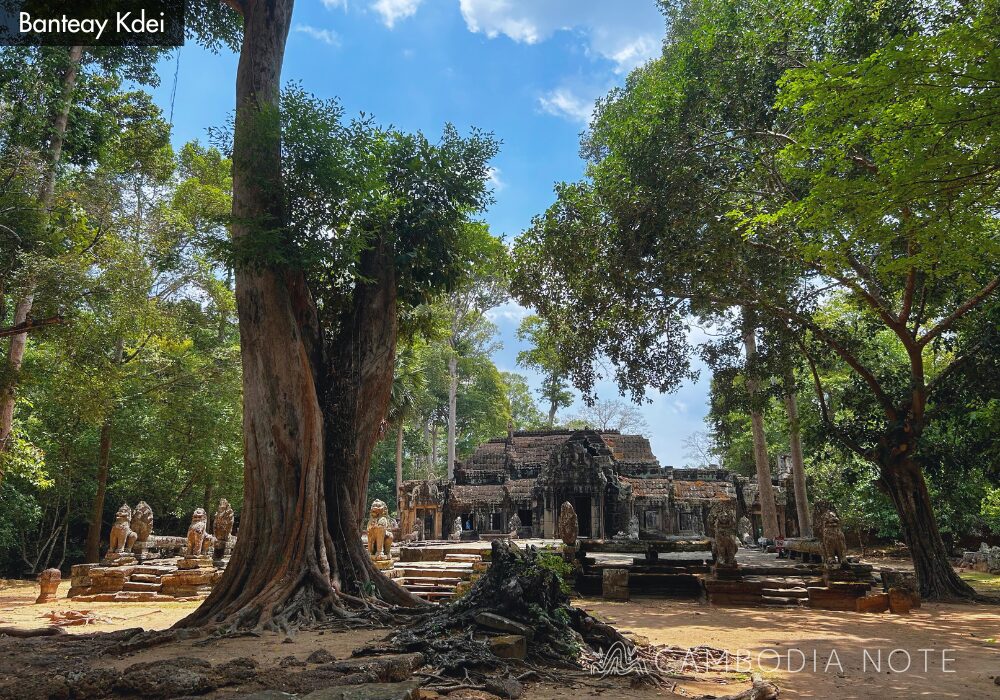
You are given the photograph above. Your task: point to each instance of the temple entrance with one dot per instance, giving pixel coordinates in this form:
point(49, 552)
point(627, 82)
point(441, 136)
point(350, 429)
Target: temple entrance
point(525, 517)
point(583, 512)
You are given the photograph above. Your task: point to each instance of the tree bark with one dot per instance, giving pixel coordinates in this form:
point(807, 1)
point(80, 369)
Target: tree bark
point(768, 510)
point(802, 509)
point(92, 549)
point(281, 568)
point(399, 465)
point(8, 392)
point(360, 360)
point(903, 481)
point(553, 404)
point(452, 411)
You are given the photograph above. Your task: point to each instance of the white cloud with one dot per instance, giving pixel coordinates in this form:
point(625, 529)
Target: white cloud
point(394, 10)
point(625, 33)
point(327, 36)
point(564, 102)
point(494, 179)
point(508, 311)
point(334, 4)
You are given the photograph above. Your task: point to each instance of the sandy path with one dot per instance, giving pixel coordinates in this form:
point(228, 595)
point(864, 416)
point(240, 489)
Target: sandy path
point(962, 629)
point(965, 630)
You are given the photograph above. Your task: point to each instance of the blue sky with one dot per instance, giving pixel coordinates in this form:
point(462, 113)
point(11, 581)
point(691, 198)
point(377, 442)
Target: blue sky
point(527, 70)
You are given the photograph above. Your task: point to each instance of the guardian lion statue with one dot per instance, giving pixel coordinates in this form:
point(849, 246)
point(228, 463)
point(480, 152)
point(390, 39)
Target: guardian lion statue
point(222, 526)
point(122, 536)
point(142, 522)
point(379, 533)
point(198, 538)
point(724, 544)
point(834, 545)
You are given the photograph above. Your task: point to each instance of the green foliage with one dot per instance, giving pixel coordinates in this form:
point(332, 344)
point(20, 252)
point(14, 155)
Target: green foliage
point(990, 508)
point(563, 570)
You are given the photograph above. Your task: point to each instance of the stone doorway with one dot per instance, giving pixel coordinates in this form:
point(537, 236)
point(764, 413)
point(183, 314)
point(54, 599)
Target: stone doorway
point(583, 515)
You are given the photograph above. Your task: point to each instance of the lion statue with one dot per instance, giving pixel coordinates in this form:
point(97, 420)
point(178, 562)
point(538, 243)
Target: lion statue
point(379, 532)
point(142, 522)
point(122, 535)
point(222, 526)
point(198, 538)
point(832, 537)
point(724, 544)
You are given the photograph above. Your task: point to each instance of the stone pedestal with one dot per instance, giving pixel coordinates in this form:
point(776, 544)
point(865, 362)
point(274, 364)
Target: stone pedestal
point(203, 561)
point(48, 581)
point(727, 573)
point(119, 559)
point(615, 584)
point(382, 564)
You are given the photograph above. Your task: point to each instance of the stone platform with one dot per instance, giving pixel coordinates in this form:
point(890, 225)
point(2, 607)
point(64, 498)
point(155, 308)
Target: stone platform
point(168, 579)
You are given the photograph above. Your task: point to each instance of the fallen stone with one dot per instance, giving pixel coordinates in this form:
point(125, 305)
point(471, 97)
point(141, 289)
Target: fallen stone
point(390, 668)
point(508, 687)
point(367, 691)
point(167, 678)
point(873, 603)
point(509, 646)
point(238, 670)
point(320, 656)
point(900, 601)
point(499, 623)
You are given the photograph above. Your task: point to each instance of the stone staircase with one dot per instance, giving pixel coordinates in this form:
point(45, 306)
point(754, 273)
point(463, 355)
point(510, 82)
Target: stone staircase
point(151, 581)
point(438, 581)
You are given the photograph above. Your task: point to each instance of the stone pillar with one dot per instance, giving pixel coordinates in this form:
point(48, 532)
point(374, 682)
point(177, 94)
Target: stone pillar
point(48, 581)
point(615, 584)
point(438, 534)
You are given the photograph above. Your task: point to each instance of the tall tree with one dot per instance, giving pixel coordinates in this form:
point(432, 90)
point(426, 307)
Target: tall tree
point(319, 322)
point(543, 357)
point(699, 163)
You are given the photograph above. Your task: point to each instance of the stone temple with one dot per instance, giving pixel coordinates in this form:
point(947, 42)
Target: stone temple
point(613, 481)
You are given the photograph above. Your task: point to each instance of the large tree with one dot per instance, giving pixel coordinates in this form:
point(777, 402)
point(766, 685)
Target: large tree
point(709, 191)
point(334, 227)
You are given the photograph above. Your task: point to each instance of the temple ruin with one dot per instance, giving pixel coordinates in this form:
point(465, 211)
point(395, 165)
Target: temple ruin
point(612, 480)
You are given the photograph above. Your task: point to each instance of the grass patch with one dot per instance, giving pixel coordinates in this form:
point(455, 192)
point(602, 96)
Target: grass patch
point(982, 582)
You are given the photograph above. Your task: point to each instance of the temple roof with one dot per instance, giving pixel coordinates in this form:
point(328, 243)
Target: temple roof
point(525, 451)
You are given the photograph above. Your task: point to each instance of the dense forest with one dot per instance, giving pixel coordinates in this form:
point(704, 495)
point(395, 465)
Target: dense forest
point(817, 185)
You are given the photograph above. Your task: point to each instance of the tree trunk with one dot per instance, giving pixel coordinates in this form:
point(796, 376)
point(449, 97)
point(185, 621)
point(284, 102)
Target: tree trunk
point(92, 550)
point(768, 510)
point(452, 411)
point(8, 392)
point(9, 389)
point(434, 449)
point(281, 568)
point(399, 465)
point(802, 510)
point(553, 406)
point(903, 481)
point(360, 361)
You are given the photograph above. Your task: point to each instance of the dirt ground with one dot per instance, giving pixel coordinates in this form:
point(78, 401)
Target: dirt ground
point(964, 638)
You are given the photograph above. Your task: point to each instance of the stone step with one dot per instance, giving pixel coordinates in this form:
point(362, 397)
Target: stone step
point(429, 587)
point(153, 569)
point(783, 601)
point(786, 592)
point(140, 586)
point(435, 596)
point(437, 573)
point(470, 558)
point(430, 581)
point(146, 578)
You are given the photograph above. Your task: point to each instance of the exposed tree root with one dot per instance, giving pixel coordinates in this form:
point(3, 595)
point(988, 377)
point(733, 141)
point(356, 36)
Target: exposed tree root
point(37, 632)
